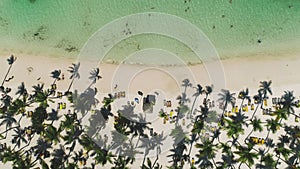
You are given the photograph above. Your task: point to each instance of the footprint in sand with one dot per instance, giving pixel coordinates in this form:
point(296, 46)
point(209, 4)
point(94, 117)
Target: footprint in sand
point(29, 69)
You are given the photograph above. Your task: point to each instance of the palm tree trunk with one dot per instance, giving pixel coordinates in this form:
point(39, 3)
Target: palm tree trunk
point(6, 131)
point(191, 148)
point(193, 105)
point(241, 105)
point(154, 162)
point(268, 134)
point(137, 142)
point(6, 75)
point(70, 85)
point(54, 81)
point(185, 89)
point(254, 112)
point(248, 135)
point(144, 160)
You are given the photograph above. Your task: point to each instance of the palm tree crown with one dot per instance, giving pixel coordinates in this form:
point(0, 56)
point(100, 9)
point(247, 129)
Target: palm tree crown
point(226, 97)
point(74, 70)
point(265, 88)
point(94, 75)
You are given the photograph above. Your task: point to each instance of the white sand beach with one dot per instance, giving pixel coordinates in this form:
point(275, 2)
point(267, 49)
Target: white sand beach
point(239, 73)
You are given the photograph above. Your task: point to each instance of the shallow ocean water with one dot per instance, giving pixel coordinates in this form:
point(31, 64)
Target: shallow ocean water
point(61, 28)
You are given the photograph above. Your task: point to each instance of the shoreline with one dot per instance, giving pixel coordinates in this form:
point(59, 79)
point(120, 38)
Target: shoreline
point(280, 70)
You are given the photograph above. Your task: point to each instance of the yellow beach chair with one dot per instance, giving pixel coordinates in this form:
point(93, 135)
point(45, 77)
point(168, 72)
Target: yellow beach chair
point(236, 109)
point(193, 161)
point(244, 108)
point(171, 113)
point(252, 106)
point(265, 102)
point(59, 94)
point(254, 140)
point(261, 141)
point(53, 87)
point(228, 114)
point(64, 105)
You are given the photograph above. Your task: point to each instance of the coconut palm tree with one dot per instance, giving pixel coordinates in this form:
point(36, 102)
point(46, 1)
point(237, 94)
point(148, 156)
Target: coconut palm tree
point(74, 73)
point(177, 153)
point(199, 91)
point(52, 134)
point(182, 99)
point(8, 119)
point(55, 75)
point(287, 102)
point(226, 98)
point(234, 129)
point(246, 156)
point(41, 147)
point(258, 99)
point(244, 94)
point(269, 162)
point(208, 90)
point(94, 76)
point(272, 125)
point(256, 126)
point(207, 152)
point(53, 116)
point(11, 60)
point(265, 88)
point(18, 137)
point(38, 117)
point(22, 91)
point(59, 155)
point(37, 89)
point(186, 83)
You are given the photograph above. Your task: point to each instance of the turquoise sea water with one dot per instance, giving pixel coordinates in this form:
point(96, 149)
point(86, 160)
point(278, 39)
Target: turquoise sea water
point(236, 28)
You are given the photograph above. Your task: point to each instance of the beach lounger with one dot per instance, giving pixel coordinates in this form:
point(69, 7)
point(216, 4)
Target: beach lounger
point(193, 161)
point(252, 106)
point(171, 113)
point(244, 108)
point(151, 132)
point(236, 109)
point(123, 94)
point(62, 106)
point(29, 113)
point(164, 120)
point(249, 102)
point(254, 140)
point(261, 141)
point(265, 102)
point(298, 104)
point(53, 87)
point(59, 94)
point(28, 131)
point(228, 114)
